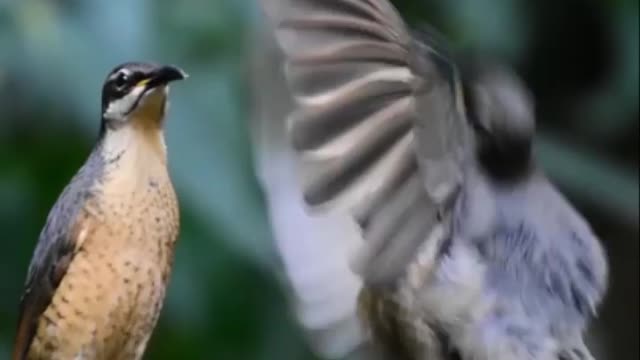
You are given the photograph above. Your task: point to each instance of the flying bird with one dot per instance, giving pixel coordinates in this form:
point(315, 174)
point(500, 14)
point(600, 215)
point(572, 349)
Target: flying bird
point(409, 210)
point(98, 276)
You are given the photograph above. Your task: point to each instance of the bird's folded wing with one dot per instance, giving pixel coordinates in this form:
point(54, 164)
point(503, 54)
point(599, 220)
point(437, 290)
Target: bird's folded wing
point(60, 239)
point(377, 128)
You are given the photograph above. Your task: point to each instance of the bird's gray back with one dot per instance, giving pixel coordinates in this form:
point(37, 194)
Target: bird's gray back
point(64, 211)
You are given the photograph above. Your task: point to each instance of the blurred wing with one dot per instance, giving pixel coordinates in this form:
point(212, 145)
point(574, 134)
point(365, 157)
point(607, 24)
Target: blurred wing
point(315, 250)
point(378, 126)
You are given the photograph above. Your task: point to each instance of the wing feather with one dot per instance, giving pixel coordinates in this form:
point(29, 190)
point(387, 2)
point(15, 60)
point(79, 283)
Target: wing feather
point(379, 126)
point(61, 237)
point(314, 249)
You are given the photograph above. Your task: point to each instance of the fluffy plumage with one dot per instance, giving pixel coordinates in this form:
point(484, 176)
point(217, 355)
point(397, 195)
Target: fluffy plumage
point(465, 248)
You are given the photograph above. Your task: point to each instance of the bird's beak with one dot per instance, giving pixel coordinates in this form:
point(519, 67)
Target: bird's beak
point(162, 76)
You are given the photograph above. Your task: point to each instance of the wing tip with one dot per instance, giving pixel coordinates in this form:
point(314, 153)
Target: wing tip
point(24, 334)
point(21, 343)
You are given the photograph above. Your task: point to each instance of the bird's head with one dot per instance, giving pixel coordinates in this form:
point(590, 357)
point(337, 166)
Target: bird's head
point(501, 111)
point(137, 92)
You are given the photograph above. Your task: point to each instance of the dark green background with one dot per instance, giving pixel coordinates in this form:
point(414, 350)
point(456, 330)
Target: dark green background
point(225, 301)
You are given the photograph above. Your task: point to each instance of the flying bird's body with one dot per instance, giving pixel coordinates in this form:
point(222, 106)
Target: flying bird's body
point(463, 248)
point(98, 277)
point(502, 289)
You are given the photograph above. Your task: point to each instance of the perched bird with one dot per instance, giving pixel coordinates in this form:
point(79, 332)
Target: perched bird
point(98, 277)
point(460, 246)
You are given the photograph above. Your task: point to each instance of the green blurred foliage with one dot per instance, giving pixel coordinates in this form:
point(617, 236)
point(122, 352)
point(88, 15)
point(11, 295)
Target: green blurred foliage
point(226, 300)
point(222, 303)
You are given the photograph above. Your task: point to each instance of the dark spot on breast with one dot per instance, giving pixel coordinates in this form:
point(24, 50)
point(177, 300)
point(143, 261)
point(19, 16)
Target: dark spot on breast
point(58, 314)
point(153, 183)
point(49, 347)
point(115, 159)
point(48, 320)
point(85, 272)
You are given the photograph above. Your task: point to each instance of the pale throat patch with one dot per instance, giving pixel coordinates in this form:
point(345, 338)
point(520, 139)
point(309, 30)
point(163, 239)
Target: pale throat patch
point(135, 150)
point(142, 130)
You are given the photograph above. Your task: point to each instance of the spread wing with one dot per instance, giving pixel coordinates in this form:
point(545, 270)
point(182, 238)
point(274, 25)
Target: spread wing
point(314, 249)
point(58, 242)
point(378, 126)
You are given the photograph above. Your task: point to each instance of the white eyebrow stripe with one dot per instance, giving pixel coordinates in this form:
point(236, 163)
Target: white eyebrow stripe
point(123, 71)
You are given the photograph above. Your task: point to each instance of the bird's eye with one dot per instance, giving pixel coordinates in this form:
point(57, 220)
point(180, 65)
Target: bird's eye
point(121, 80)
